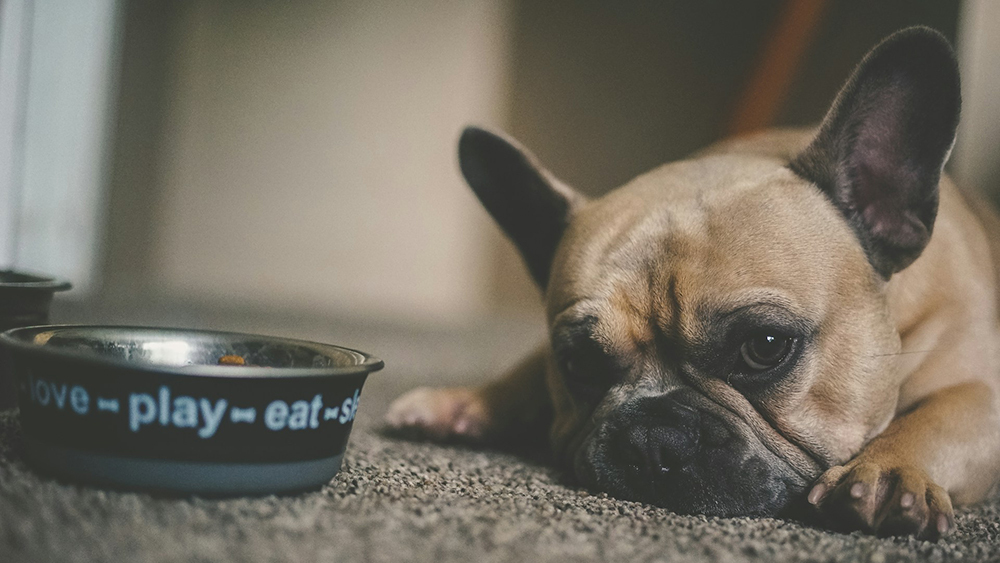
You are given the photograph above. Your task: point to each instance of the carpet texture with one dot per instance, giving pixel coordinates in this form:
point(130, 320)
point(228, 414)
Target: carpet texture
point(402, 501)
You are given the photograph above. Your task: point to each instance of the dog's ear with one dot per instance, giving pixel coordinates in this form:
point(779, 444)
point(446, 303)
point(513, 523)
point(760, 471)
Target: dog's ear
point(531, 205)
point(879, 153)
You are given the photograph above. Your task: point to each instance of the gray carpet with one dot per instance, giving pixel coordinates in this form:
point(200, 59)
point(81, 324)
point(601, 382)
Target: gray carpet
point(402, 501)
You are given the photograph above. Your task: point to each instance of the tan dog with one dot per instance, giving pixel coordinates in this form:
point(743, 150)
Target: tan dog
point(766, 323)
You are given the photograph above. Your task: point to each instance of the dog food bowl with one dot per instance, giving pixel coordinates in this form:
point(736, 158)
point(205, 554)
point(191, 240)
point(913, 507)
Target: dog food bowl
point(184, 411)
point(24, 301)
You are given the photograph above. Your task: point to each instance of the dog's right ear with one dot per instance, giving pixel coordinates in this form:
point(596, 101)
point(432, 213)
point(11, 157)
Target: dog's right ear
point(879, 153)
point(530, 204)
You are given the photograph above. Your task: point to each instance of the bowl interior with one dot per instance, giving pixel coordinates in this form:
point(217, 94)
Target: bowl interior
point(175, 348)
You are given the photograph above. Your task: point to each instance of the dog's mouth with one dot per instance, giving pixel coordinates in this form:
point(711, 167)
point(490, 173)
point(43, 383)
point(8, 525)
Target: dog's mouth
point(684, 453)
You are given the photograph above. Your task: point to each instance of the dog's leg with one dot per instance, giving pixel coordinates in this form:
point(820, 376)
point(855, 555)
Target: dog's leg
point(904, 480)
point(503, 408)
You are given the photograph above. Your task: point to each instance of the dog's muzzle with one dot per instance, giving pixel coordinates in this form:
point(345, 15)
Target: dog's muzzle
point(665, 438)
point(684, 452)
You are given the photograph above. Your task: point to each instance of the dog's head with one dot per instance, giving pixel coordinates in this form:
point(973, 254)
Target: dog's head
point(719, 327)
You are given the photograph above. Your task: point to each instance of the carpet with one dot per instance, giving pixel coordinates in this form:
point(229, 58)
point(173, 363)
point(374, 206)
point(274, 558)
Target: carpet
point(396, 500)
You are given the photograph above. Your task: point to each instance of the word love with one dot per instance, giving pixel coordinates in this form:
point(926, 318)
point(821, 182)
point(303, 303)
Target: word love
point(45, 393)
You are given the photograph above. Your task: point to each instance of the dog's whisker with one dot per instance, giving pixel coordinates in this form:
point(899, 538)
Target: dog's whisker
point(908, 352)
point(927, 351)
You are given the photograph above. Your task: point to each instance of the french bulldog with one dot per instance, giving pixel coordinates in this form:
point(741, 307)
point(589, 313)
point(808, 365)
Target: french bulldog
point(766, 325)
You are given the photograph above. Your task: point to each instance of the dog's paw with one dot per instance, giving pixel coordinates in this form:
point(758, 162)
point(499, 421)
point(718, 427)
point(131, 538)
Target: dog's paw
point(883, 500)
point(457, 413)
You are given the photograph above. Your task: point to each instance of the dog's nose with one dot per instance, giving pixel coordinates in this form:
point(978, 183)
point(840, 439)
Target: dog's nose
point(663, 436)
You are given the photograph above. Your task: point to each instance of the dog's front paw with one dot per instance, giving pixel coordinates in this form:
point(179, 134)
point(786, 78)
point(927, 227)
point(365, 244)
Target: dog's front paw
point(457, 413)
point(881, 499)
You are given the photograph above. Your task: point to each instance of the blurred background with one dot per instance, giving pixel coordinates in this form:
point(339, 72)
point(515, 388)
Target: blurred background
point(293, 163)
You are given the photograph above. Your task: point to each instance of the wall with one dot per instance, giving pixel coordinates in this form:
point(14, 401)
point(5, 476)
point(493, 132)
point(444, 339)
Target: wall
point(976, 163)
point(307, 157)
point(59, 77)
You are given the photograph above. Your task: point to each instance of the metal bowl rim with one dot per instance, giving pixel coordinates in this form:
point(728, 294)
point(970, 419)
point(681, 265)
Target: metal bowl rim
point(41, 282)
point(367, 364)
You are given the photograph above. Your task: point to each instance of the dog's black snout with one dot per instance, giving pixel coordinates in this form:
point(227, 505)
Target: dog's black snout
point(662, 436)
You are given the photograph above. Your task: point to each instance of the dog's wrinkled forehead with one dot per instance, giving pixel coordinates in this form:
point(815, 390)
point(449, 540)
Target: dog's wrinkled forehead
point(715, 231)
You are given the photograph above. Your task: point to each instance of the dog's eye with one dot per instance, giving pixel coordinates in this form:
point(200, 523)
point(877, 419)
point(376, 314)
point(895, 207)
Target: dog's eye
point(588, 372)
point(765, 350)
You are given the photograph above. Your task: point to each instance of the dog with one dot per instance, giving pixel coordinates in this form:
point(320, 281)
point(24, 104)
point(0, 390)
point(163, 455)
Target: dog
point(766, 327)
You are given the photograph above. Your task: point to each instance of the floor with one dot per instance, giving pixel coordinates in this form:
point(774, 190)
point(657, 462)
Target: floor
point(402, 501)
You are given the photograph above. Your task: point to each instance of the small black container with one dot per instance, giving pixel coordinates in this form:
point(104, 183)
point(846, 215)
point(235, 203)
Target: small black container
point(24, 301)
point(185, 411)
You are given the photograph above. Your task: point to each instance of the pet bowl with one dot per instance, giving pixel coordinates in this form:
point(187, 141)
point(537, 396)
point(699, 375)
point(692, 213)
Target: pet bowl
point(184, 411)
point(24, 301)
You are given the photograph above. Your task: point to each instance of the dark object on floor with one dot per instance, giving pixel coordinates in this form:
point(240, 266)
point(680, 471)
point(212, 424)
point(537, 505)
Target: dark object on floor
point(24, 301)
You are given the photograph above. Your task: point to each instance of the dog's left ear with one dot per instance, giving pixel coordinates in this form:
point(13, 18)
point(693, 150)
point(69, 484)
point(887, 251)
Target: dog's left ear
point(881, 148)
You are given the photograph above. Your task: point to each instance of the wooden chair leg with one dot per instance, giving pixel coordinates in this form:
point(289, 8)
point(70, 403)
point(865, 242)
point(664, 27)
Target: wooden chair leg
point(779, 59)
